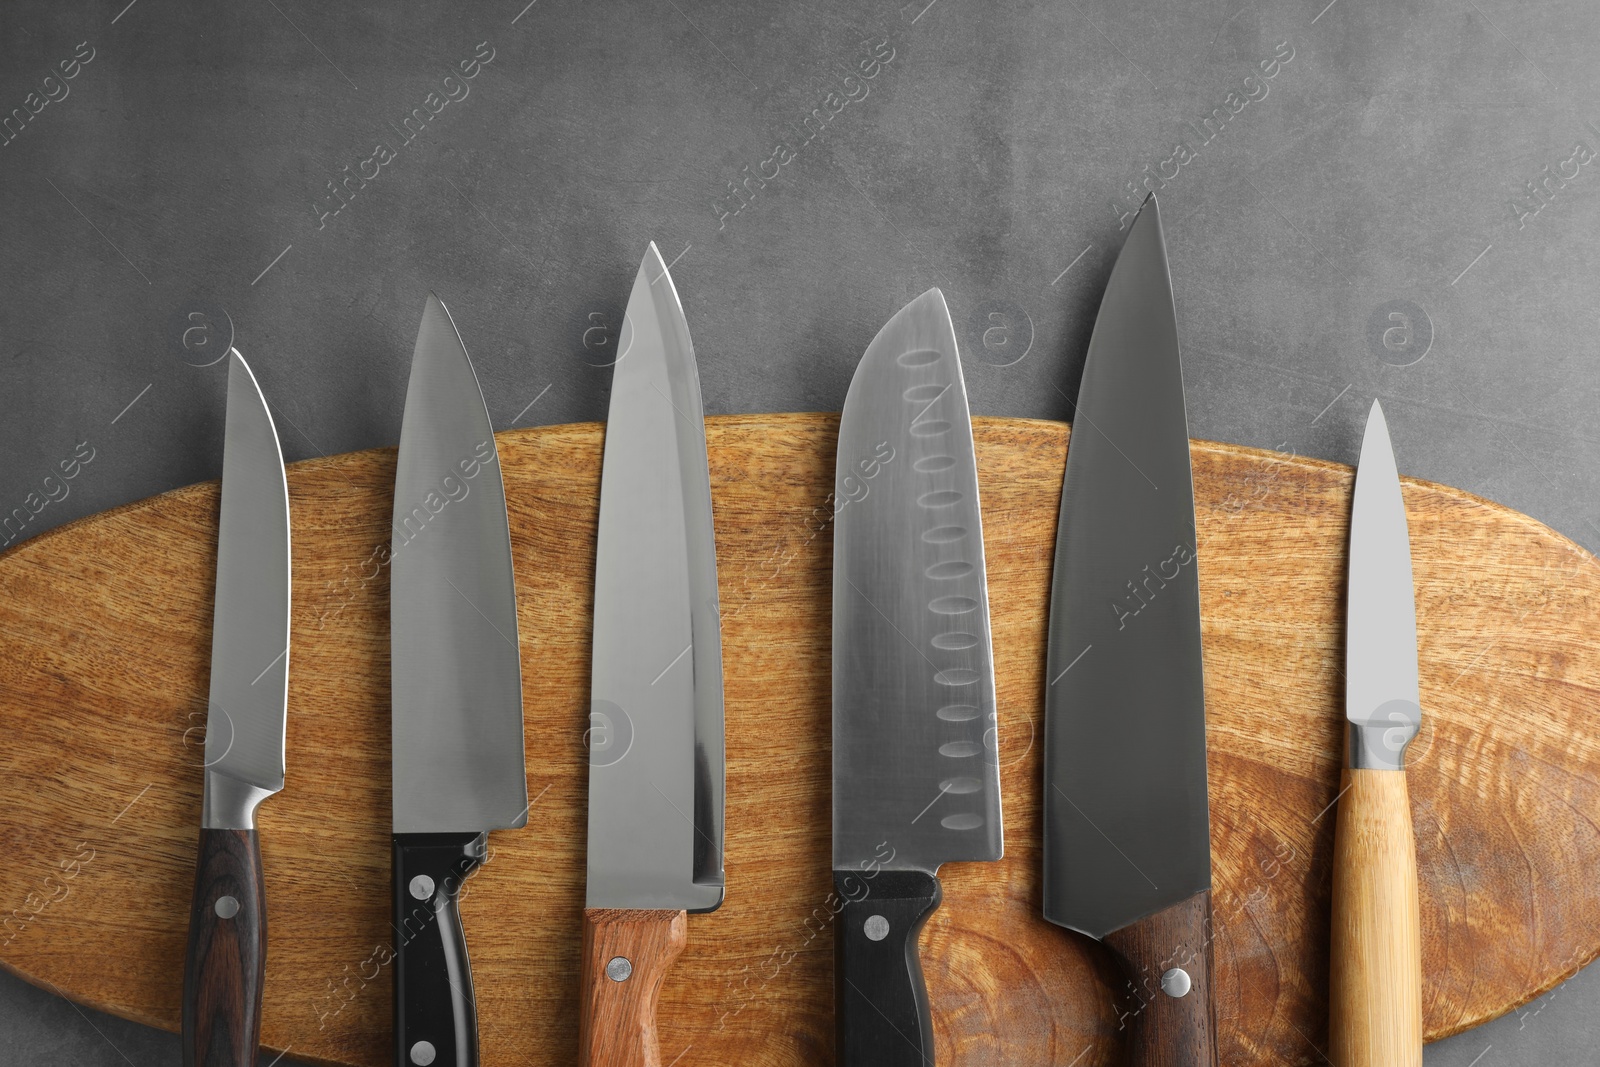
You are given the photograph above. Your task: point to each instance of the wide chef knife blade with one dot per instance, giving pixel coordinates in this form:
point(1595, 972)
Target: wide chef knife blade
point(1127, 849)
point(1375, 996)
point(227, 949)
point(456, 689)
point(916, 777)
point(655, 732)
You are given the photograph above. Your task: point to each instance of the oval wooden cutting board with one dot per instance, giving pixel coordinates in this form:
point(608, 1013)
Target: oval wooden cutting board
point(104, 645)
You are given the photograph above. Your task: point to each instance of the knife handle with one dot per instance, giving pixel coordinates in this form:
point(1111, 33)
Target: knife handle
point(1375, 989)
point(626, 955)
point(880, 998)
point(226, 954)
point(1168, 1013)
point(435, 1014)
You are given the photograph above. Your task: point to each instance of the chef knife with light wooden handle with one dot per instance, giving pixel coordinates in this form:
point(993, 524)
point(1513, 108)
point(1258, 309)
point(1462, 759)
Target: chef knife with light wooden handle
point(655, 713)
point(1375, 996)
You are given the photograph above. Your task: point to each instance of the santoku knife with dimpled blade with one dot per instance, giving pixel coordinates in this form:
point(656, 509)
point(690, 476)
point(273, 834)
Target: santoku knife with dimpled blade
point(655, 723)
point(1127, 844)
point(1375, 996)
point(916, 776)
point(456, 675)
point(227, 950)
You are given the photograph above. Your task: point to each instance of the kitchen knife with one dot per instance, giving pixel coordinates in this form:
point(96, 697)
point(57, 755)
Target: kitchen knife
point(1375, 996)
point(456, 689)
point(1127, 848)
point(655, 721)
point(916, 776)
point(227, 948)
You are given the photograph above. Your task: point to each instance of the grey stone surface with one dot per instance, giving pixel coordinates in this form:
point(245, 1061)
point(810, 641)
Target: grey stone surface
point(1382, 169)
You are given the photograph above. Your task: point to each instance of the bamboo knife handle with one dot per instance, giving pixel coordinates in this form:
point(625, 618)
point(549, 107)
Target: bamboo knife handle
point(1375, 996)
point(626, 956)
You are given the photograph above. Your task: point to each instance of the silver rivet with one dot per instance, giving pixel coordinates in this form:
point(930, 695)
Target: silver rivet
point(227, 907)
point(876, 928)
point(422, 1053)
point(1175, 983)
point(618, 969)
point(422, 889)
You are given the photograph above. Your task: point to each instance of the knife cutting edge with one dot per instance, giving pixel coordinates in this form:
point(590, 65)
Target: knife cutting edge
point(1375, 993)
point(656, 760)
point(456, 674)
point(1127, 852)
point(244, 749)
point(916, 777)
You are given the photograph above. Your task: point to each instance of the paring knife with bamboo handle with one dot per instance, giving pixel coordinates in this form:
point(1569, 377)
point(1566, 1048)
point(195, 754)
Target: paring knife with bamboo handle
point(1375, 998)
point(655, 721)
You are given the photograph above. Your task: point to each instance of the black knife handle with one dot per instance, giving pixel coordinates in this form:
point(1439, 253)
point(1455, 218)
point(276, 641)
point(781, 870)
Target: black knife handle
point(435, 1014)
point(227, 952)
point(1166, 1010)
point(880, 999)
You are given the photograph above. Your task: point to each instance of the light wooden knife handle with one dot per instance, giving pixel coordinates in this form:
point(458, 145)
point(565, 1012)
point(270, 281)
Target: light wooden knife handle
point(626, 956)
point(1375, 995)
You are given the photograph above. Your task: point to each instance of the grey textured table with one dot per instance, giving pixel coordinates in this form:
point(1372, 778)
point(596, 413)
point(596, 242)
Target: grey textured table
point(1364, 200)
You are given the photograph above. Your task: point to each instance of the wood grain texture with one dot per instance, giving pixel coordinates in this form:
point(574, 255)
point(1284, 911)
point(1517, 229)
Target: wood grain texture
point(1163, 1030)
point(1375, 992)
point(617, 1019)
point(105, 641)
point(226, 954)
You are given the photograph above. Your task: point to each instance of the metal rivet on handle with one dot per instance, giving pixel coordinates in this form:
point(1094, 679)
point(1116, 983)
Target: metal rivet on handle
point(226, 907)
point(1175, 983)
point(423, 1053)
point(618, 969)
point(876, 928)
point(422, 889)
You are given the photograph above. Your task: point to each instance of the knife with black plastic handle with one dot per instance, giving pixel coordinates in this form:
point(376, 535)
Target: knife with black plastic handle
point(916, 776)
point(456, 675)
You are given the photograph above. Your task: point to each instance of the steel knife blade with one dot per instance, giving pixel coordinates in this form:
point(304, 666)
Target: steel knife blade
point(456, 675)
point(244, 748)
point(656, 760)
point(1127, 855)
point(916, 777)
point(1375, 993)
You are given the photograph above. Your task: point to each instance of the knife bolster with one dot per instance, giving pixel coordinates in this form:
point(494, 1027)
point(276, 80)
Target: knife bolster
point(880, 997)
point(433, 1001)
point(1166, 1010)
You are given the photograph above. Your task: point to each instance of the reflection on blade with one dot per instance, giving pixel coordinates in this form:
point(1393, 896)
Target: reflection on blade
point(250, 631)
point(915, 761)
point(656, 736)
point(456, 670)
point(1126, 820)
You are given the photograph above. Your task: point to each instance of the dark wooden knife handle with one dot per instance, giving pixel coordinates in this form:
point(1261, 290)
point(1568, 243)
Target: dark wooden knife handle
point(435, 1015)
point(880, 999)
point(626, 956)
point(1164, 1028)
point(227, 952)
